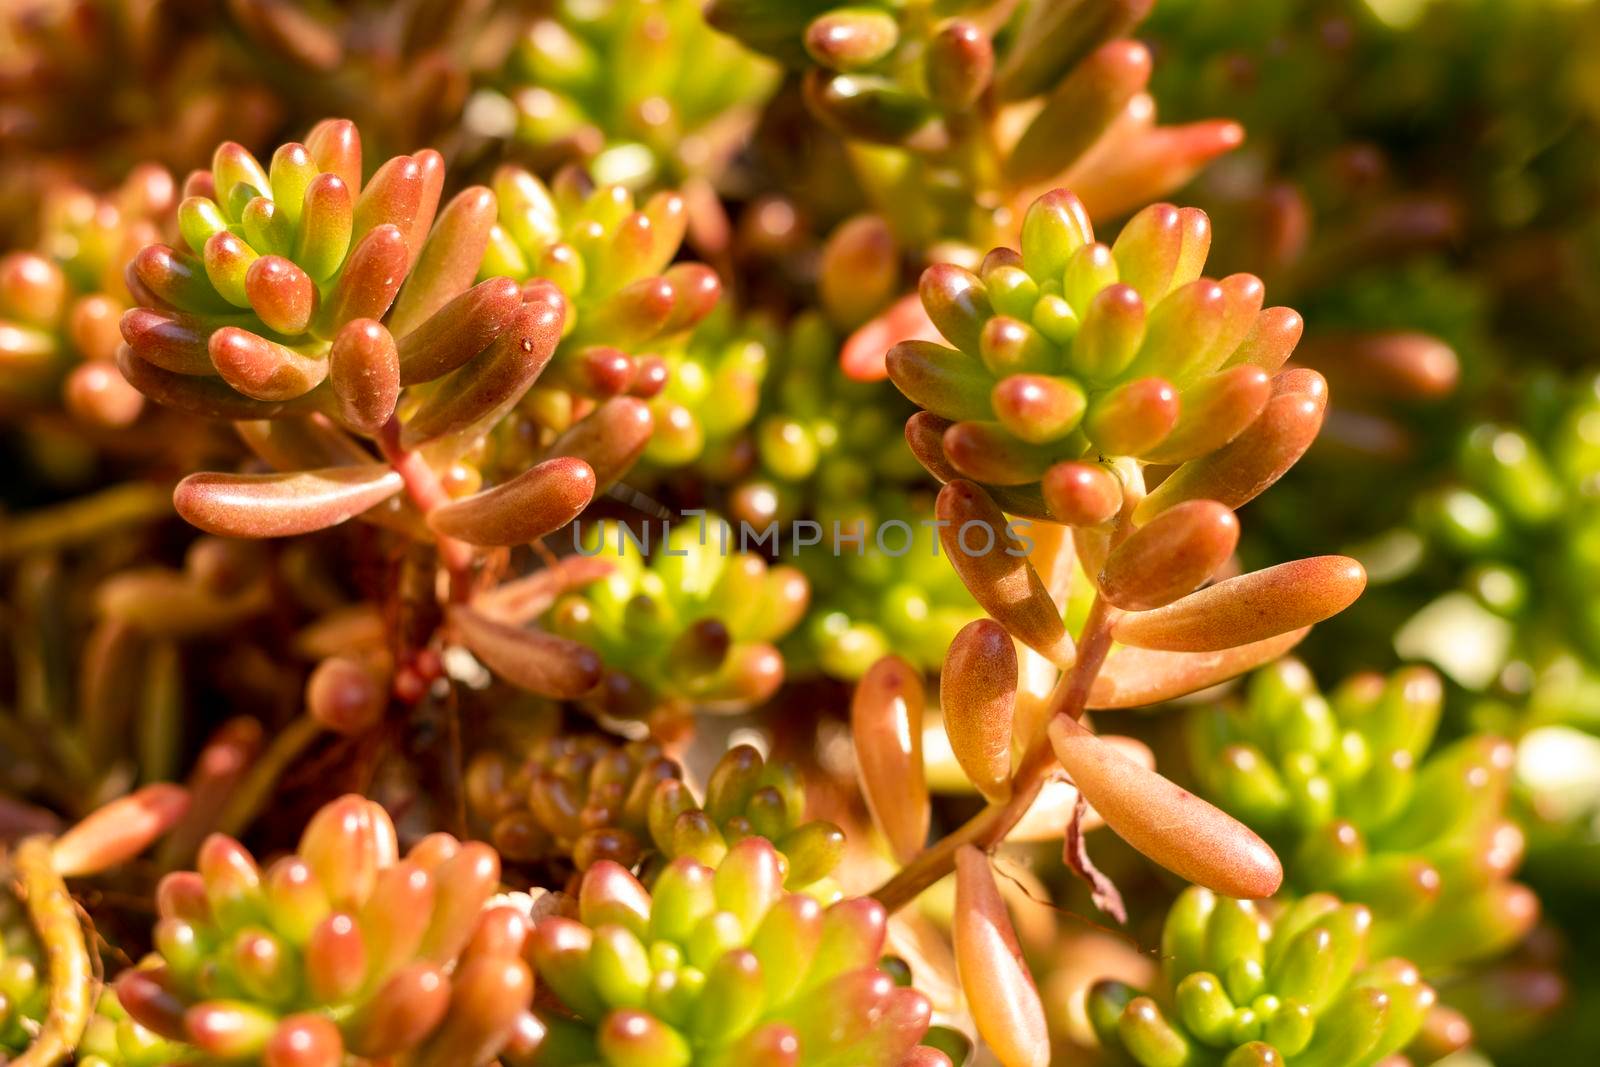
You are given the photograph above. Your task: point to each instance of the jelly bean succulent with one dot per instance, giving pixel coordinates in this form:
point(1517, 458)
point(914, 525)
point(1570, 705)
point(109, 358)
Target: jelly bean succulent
point(1072, 350)
point(546, 763)
point(719, 965)
point(613, 261)
point(951, 110)
point(693, 626)
point(712, 393)
point(1346, 785)
point(826, 444)
point(882, 586)
point(1245, 986)
point(59, 306)
point(342, 952)
point(1519, 523)
point(639, 92)
point(590, 799)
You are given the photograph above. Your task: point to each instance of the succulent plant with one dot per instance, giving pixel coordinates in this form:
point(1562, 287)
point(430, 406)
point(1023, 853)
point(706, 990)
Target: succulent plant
point(712, 394)
point(539, 645)
point(949, 118)
point(589, 799)
point(1346, 787)
point(59, 306)
point(1520, 522)
point(639, 92)
point(611, 258)
point(719, 965)
point(826, 445)
point(1293, 986)
point(891, 592)
point(692, 628)
point(1072, 350)
point(342, 952)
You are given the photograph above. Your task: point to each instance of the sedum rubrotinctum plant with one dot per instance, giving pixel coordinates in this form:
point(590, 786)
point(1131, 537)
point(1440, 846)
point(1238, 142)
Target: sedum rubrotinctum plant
point(706, 831)
point(341, 953)
point(341, 325)
point(640, 92)
point(720, 965)
point(589, 799)
point(950, 113)
point(1062, 392)
point(59, 306)
point(1347, 786)
point(1294, 987)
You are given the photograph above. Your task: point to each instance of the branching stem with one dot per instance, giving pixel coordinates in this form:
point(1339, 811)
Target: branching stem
point(989, 827)
point(426, 492)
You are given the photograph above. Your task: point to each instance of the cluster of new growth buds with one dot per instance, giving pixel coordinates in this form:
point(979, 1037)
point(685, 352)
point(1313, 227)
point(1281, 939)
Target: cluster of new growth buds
point(719, 965)
point(693, 625)
point(589, 799)
point(1252, 986)
point(613, 263)
point(899, 596)
point(1072, 350)
point(1345, 785)
point(712, 394)
point(343, 952)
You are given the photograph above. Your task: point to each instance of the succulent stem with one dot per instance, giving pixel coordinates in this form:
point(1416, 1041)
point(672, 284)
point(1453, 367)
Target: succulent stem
point(55, 921)
point(425, 491)
point(990, 826)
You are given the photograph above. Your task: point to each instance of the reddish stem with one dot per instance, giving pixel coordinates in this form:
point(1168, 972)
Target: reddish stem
point(990, 826)
point(427, 492)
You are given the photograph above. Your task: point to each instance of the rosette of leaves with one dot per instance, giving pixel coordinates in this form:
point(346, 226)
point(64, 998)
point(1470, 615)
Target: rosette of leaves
point(1522, 522)
point(639, 92)
point(952, 110)
point(1243, 984)
point(691, 629)
point(60, 305)
point(713, 392)
point(613, 261)
point(1072, 354)
point(341, 953)
point(890, 591)
point(587, 799)
point(719, 965)
point(1345, 786)
point(1062, 431)
point(344, 335)
point(580, 798)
